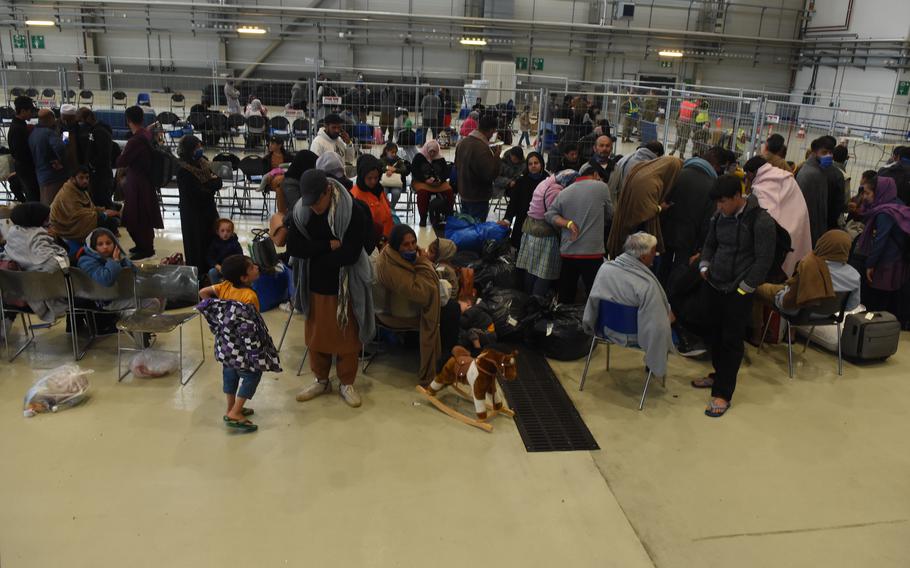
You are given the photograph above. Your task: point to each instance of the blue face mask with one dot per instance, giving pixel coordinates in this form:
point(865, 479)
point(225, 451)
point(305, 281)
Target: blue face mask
point(409, 256)
point(198, 153)
point(826, 161)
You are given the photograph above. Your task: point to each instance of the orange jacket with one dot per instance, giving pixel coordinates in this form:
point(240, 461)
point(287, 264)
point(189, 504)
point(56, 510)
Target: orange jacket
point(379, 208)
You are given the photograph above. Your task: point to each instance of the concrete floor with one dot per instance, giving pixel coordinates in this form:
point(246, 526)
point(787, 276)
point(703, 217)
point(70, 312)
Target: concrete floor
point(808, 472)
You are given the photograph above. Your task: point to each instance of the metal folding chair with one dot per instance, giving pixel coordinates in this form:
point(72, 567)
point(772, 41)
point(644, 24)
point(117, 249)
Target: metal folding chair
point(17, 287)
point(176, 285)
point(91, 292)
point(622, 320)
point(829, 312)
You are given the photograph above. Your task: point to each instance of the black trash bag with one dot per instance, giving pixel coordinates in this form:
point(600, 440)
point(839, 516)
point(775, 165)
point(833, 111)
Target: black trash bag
point(499, 273)
point(465, 258)
point(510, 309)
point(495, 249)
point(558, 333)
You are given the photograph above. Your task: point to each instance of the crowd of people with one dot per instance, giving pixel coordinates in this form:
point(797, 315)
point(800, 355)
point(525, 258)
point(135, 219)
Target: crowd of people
point(700, 246)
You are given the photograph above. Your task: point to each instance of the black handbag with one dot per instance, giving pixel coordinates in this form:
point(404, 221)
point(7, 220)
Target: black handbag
point(263, 251)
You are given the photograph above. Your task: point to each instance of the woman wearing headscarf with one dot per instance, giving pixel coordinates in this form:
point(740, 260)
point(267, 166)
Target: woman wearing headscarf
point(405, 270)
point(520, 196)
point(333, 276)
point(511, 166)
point(823, 273)
point(884, 244)
point(642, 200)
point(255, 107)
point(538, 254)
point(331, 164)
point(197, 185)
point(370, 191)
point(271, 164)
point(470, 124)
point(429, 175)
point(303, 161)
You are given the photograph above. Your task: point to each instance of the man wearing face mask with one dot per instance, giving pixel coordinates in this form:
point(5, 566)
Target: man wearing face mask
point(74, 214)
point(332, 138)
point(813, 181)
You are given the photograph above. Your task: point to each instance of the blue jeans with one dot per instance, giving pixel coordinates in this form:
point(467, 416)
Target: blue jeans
point(526, 137)
point(394, 195)
point(477, 209)
point(214, 276)
point(243, 389)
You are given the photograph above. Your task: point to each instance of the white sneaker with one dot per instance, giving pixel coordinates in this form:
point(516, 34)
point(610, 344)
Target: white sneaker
point(317, 388)
point(349, 395)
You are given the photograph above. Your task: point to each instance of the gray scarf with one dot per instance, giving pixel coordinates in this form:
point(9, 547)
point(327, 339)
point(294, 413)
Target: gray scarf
point(354, 281)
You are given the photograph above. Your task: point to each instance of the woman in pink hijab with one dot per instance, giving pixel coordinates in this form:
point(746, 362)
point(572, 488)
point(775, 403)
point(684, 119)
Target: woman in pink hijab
point(429, 175)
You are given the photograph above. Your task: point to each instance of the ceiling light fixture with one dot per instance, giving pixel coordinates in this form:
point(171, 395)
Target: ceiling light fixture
point(251, 30)
point(666, 53)
point(39, 23)
point(473, 41)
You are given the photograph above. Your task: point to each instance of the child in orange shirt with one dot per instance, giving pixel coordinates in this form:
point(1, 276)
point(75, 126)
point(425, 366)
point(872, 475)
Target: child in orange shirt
point(239, 273)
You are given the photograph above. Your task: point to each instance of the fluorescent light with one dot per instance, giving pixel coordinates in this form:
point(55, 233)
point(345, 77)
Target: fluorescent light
point(665, 53)
point(40, 23)
point(473, 41)
point(252, 30)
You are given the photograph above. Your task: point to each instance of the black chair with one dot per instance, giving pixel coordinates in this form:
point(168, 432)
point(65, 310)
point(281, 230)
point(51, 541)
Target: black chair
point(255, 131)
point(236, 124)
point(300, 129)
point(7, 114)
point(86, 295)
point(16, 92)
point(49, 97)
point(178, 101)
point(86, 98)
point(70, 96)
point(221, 129)
point(252, 168)
point(280, 127)
point(226, 166)
point(828, 312)
point(118, 98)
point(32, 93)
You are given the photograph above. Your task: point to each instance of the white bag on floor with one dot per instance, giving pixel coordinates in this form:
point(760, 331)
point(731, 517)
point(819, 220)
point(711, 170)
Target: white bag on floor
point(61, 388)
point(825, 335)
point(152, 363)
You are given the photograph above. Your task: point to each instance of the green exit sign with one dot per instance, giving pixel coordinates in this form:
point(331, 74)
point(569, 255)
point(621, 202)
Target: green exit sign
point(903, 88)
point(37, 41)
point(521, 63)
point(537, 63)
point(666, 64)
point(20, 41)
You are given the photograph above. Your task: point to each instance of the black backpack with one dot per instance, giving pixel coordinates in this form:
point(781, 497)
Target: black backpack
point(164, 166)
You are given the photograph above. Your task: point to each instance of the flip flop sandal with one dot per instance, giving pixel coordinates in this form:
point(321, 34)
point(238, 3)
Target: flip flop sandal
point(704, 382)
point(243, 425)
point(245, 412)
point(716, 410)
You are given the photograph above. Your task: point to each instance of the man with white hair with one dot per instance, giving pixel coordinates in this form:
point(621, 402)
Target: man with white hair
point(629, 281)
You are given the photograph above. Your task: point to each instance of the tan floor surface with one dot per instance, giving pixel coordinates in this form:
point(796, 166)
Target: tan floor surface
point(809, 472)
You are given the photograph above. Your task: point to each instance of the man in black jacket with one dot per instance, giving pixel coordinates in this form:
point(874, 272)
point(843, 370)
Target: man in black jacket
point(899, 171)
point(96, 149)
point(735, 260)
point(22, 155)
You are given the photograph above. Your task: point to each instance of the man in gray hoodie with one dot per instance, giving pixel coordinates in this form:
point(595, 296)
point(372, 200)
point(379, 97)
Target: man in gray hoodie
point(735, 260)
point(580, 211)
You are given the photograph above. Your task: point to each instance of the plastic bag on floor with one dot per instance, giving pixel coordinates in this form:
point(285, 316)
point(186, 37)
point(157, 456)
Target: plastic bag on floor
point(499, 273)
point(558, 333)
point(152, 363)
point(467, 236)
point(512, 311)
point(61, 388)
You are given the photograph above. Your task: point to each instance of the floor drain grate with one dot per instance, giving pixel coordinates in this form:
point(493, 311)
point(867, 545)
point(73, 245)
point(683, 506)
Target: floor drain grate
point(546, 418)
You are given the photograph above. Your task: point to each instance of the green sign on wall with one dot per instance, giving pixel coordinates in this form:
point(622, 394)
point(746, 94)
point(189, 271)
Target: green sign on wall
point(903, 88)
point(666, 64)
point(537, 64)
point(37, 42)
point(521, 63)
point(19, 41)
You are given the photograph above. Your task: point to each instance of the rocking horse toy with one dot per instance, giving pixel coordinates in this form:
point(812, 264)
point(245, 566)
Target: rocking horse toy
point(480, 376)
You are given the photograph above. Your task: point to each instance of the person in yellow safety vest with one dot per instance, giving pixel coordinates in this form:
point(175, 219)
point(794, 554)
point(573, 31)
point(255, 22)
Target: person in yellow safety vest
point(630, 109)
point(701, 135)
point(683, 127)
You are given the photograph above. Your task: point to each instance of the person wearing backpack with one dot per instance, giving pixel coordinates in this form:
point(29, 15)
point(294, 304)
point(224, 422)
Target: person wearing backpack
point(98, 151)
point(141, 214)
point(738, 252)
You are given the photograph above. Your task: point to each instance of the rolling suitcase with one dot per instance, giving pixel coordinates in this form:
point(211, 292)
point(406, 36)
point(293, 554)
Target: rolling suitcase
point(870, 335)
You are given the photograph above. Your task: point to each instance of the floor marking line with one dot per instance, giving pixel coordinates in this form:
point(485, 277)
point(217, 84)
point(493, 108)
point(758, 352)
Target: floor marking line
point(806, 530)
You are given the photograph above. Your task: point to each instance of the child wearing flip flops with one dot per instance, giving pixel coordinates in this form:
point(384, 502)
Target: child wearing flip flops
point(239, 273)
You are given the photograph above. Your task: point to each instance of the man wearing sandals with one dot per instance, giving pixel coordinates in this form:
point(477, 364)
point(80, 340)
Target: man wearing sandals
point(735, 260)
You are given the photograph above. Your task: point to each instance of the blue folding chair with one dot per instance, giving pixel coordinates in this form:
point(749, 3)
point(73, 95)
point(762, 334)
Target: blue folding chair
point(143, 99)
point(622, 320)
